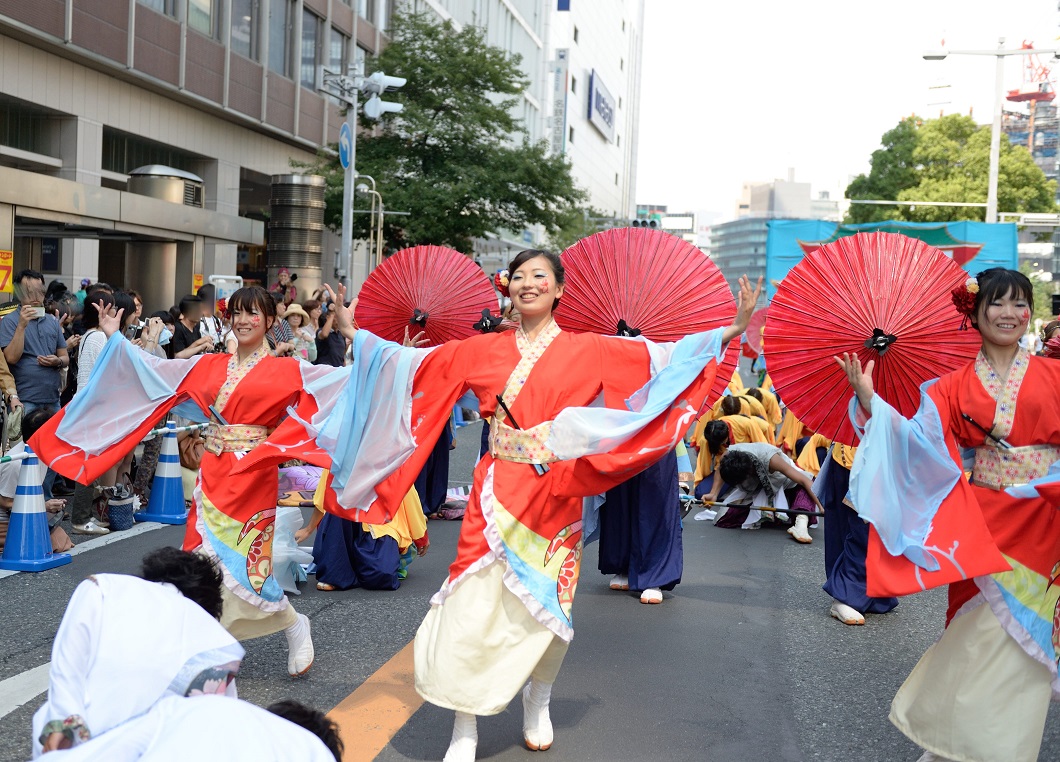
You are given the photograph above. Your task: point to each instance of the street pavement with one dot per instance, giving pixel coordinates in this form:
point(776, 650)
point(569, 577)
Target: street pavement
point(741, 662)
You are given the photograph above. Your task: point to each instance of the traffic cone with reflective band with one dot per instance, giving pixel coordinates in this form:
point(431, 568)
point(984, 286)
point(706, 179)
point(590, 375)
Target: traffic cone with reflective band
point(29, 542)
point(166, 504)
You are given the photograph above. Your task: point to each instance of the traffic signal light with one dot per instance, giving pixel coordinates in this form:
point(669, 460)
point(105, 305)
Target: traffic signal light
point(373, 86)
point(641, 223)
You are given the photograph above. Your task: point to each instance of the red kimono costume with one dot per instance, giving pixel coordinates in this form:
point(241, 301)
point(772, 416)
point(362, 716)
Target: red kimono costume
point(232, 514)
point(505, 611)
point(982, 691)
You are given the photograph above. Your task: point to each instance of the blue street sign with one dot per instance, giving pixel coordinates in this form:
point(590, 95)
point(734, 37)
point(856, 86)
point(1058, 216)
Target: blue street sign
point(345, 144)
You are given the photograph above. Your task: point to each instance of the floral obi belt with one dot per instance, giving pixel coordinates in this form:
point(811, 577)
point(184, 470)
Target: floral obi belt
point(235, 438)
point(519, 445)
point(997, 468)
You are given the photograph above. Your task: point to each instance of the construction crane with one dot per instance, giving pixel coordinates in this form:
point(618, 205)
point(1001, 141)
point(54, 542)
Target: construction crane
point(1037, 86)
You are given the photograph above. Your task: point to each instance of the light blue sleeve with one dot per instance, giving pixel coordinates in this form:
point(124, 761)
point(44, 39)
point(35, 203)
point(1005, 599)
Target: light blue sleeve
point(902, 472)
point(581, 431)
point(127, 387)
point(364, 418)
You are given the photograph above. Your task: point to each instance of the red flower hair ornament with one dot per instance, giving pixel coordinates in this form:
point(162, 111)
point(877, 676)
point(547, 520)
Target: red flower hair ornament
point(500, 280)
point(964, 297)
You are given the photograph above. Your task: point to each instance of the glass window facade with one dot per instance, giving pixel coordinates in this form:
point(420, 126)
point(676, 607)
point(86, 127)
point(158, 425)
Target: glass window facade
point(312, 48)
point(245, 15)
point(280, 27)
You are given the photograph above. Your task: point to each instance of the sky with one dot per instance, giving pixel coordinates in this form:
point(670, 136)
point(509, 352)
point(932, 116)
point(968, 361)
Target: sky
point(743, 91)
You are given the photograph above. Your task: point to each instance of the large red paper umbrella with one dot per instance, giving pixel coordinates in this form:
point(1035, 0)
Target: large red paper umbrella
point(636, 281)
point(882, 296)
point(425, 288)
point(754, 330)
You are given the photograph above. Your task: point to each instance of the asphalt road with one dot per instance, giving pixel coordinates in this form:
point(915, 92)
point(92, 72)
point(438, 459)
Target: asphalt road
point(742, 662)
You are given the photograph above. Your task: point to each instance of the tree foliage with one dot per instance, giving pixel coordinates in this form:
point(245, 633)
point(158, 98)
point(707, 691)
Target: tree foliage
point(455, 158)
point(947, 159)
point(575, 224)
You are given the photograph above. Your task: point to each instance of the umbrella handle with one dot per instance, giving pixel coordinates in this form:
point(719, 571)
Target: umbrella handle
point(624, 329)
point(880, 341)
point(419, 317)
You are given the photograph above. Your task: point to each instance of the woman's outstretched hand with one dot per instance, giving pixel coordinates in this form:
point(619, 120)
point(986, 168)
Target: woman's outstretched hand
point(344, 320)
point(109, 320)
point(419, 340)
point(860, 378)
point(748, 298)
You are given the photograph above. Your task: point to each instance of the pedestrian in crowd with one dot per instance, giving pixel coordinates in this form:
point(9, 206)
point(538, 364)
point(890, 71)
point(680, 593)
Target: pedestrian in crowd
point(982, 691)
point(640, 532)
point(280, 337)
point(176, 729)
point(284, 289)
point(137, 316)
point(502, 623)
point(1050, 338)
point(9, 473)
point(35, 350)
point(83, 291)
point(302, 334)
point(331, 344)
point(125, 643)
point(33, 344)
point(760, 475)
point(188, 340)
point(246, 395)
point(314, 310)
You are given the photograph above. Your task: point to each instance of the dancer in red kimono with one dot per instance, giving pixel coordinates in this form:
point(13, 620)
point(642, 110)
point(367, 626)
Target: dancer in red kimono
point(981, 693)
point(503, 618)
point(245, 395)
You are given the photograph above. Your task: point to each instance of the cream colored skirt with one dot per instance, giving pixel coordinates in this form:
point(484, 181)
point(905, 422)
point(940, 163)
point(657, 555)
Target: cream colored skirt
point(476, 651)
point(245, 621)
point(975, 695)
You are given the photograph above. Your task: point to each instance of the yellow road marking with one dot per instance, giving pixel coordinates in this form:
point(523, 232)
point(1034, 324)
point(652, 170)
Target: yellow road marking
point(373, 714)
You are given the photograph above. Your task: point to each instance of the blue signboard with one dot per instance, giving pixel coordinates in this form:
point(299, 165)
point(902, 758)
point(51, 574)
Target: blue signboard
point(345, 145)
point(975, 246)
point(601, 107)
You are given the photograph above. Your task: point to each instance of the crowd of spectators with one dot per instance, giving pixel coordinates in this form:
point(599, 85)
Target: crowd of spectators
point(50, 340)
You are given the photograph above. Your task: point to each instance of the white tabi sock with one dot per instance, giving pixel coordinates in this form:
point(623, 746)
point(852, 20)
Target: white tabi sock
point(537, 725)
point(465, 738)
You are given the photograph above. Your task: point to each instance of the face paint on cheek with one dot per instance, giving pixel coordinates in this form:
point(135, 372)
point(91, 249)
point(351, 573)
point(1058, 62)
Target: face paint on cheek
point(255, 321)
point(545, 287)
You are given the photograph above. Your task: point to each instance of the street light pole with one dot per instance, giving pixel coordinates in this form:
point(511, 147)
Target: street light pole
point(995, 135)
point(349, 177)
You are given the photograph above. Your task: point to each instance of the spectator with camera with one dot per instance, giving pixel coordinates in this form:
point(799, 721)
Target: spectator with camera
point(188, 340)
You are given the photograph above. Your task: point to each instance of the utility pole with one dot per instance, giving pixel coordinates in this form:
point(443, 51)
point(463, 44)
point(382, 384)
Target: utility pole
point(346, 87)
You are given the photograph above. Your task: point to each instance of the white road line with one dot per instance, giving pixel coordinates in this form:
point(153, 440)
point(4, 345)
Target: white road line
point(22, 688)
point(107, 539)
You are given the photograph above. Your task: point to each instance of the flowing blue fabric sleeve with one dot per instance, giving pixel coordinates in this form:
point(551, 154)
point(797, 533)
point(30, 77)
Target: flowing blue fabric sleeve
point(127, 387)
point(581, 431)
point(364, 418)
point(902, 472)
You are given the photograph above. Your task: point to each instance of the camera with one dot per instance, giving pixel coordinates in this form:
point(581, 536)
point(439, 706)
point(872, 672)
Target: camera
point(133, 332)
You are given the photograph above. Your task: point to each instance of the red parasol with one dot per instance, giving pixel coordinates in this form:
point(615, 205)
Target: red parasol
point(425, 288)
point(645, 281)
point(880, 288)
point(754, 330)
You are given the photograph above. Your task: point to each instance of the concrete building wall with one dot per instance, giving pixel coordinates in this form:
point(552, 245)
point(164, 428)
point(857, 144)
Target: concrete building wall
point(224, 96)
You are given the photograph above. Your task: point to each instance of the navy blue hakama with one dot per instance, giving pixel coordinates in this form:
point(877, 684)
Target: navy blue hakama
point(640, 528)
point(346, 556)
point(846, 542)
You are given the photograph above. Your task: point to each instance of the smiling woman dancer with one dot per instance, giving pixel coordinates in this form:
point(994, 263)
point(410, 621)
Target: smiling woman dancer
point(246, 394)
point(502, 622)
point(981, 693)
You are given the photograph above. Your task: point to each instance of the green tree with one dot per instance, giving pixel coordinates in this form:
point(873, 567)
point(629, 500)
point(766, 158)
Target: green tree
point(575, 224)
point(892, 171)
point(947, 159)
point(455, 158)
